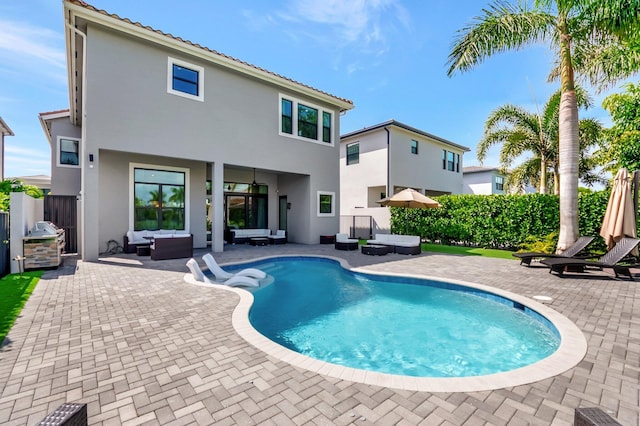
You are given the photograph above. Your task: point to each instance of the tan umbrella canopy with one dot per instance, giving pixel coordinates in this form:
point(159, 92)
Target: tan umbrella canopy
point(409, 198)
point(619, 218)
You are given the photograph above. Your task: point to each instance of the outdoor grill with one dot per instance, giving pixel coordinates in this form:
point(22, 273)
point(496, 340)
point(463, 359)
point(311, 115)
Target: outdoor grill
point(43, 246)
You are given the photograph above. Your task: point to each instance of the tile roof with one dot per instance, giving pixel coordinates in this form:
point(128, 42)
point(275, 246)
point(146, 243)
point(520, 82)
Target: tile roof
point(87, 6)
point(477, 169)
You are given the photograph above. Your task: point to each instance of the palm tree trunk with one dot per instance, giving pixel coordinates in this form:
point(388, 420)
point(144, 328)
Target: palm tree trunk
point(568, 147)
point(543, 175)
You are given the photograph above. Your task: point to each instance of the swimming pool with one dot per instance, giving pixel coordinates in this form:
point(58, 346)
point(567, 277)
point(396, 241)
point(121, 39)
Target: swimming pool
point(315, 331)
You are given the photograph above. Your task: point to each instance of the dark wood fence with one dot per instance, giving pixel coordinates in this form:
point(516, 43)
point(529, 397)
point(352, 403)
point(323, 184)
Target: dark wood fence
point(62, 210)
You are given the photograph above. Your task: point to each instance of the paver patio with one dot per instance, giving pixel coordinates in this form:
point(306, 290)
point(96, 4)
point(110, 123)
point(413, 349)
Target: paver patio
point(128, 337)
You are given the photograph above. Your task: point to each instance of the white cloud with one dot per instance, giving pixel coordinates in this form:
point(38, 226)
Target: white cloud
point(25, 41)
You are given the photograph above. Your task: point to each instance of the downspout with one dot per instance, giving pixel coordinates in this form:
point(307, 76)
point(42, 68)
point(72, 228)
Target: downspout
point(388, 162)
point(83, 131)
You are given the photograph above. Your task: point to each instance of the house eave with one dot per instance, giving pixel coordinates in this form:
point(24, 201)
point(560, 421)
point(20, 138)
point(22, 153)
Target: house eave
point(75, 12)
point(400, 125)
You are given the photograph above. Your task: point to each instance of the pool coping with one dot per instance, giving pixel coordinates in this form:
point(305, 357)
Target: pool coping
point(572, 349)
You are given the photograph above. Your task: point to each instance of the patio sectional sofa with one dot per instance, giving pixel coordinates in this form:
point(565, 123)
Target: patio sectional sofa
point(402, 244)
point(241, 236)
point(164, 243)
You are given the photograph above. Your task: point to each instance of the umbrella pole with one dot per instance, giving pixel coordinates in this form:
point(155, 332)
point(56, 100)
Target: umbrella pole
point(635, 194)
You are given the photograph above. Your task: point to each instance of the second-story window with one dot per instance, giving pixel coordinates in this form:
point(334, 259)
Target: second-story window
point(287, 116)
point(326, 127)
point(68, 152)
point(450, 161)
point(185, 80)
point(414, 147)
point(353, 153)
point(499, 183)
point(306, 121)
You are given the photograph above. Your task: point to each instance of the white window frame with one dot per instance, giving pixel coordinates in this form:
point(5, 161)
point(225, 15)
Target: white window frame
point(294, 120)
point(333, 204)
point(58, 146)
point(200, 70)
point(187, 182)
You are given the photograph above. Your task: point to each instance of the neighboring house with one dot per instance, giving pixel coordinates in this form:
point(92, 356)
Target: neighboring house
point(40, 181)
point(483, 180)
point(4, 131)
point(489, 180)
point(161, 129)
point(388, 157)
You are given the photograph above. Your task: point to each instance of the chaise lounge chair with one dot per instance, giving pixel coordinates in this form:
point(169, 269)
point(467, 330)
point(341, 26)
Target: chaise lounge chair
point(234, 281)
point(221, 274)
point(611, 260)
point(577, 247)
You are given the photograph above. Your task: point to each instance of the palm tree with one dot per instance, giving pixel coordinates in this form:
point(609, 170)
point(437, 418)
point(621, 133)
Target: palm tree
point(596, 39)
point(521, 132)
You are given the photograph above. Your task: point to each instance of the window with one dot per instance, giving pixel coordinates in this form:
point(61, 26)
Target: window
point(68, 152)
point(326, 206)
point(159, 198)
point(186, 80)
point(499, 183)
point(326, 127)
point(287, 116)
point(305, 121)
point(414, 147)
point(450, 161)
point(246, 205)
point(353, 153)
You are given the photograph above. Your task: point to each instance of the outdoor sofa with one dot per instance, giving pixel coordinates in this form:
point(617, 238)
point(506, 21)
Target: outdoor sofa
point(241, 236)
point(402, 244)
point(132, 239)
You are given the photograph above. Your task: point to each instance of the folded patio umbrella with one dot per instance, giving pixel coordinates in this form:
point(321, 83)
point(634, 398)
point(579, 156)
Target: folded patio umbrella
point(619, 218)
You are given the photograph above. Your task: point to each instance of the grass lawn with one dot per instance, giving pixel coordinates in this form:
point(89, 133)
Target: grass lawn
point(14, 292)
point(468, 251)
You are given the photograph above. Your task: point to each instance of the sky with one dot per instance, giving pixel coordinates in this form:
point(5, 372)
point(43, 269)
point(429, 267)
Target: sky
point(387, 56)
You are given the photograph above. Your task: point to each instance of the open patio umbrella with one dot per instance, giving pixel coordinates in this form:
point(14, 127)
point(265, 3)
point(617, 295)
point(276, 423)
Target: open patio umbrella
point(409, 198)
point(619, 218)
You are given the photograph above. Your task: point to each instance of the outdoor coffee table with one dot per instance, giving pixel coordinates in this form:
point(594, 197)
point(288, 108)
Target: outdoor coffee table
point(259, 241)
point(375, 250)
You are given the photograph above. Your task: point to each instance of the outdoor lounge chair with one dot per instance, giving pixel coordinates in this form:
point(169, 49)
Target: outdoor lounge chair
point(221, 274)
point(577, 247)
point(235, 281)
point(611, 260)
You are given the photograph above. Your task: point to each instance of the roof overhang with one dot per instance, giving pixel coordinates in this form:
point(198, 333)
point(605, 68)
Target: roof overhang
point(5, 130)
point(45, 117)
point(394, 123)
point(78, 13)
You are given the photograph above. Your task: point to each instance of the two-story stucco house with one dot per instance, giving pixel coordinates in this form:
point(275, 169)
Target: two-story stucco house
point(386, 158)
point(483, 180)
point(164, 133)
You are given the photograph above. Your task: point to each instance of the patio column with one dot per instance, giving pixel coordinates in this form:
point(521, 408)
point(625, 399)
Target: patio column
point(217, 201)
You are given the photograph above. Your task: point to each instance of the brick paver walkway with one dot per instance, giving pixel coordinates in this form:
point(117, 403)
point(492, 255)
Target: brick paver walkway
point(127, 336)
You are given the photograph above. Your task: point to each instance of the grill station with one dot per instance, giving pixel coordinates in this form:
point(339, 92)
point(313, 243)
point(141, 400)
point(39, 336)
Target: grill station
point(43, 247)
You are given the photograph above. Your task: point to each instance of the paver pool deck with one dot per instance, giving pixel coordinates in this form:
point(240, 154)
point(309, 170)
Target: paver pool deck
point(130, 338)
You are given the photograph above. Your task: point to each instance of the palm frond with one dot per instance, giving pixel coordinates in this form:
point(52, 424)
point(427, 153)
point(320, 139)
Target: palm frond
point(503, 26)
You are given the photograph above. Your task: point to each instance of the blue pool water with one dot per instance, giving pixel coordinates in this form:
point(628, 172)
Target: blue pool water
point(406, 326)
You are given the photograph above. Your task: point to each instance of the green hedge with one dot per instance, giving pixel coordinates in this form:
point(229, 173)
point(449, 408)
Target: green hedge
point(498, 221)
